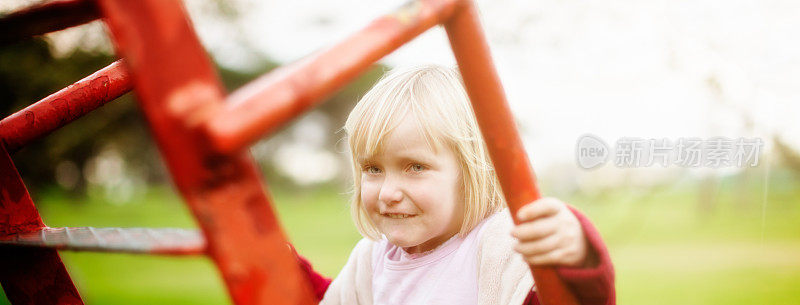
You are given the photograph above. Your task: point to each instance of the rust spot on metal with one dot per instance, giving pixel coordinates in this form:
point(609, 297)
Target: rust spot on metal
point(100, 86)
point(62, 111)
point(30, 119)
point(259, 212)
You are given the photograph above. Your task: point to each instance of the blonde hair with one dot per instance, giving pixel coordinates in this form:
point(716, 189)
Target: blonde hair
point(436, 96)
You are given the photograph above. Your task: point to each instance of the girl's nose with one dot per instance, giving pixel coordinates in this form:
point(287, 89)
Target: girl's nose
point(390, 192)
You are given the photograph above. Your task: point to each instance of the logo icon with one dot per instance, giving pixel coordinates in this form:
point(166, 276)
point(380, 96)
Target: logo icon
point(591, 151)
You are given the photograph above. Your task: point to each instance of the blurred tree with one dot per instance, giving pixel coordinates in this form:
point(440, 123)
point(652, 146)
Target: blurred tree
point(789, 155)
point(112, 143)
point(28, 73)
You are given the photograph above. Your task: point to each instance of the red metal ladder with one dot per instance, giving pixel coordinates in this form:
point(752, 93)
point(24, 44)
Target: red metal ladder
point(202, 134)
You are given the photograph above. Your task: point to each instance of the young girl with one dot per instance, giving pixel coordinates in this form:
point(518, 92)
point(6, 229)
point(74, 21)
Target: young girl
point(432, 213)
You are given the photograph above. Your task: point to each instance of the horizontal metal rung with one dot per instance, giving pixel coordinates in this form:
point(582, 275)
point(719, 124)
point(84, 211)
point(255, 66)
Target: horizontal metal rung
point(68, 104)
point(125, 240)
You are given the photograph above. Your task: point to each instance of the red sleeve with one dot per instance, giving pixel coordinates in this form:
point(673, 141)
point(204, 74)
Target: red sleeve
point(593, 285)
point(531, 299)
point(318, 282)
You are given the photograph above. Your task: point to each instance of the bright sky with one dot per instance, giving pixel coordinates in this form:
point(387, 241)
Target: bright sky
point(635, 68)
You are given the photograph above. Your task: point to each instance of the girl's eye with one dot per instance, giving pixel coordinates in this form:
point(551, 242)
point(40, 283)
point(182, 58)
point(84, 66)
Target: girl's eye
point(417, 167)
point(372, 170)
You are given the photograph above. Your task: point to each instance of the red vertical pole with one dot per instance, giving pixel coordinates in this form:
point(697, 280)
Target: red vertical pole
point(177, 89)
point(499, 131)
point(28, 275)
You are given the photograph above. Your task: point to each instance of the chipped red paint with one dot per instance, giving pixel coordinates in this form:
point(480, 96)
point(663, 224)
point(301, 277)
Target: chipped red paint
point(64, 106)
point(177, 89)
point(273, 100)
point(46, 17)
point(28, 276)
point(497, 125)
point(17, 213)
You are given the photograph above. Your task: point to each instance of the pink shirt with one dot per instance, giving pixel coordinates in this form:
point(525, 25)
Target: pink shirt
point(445, 275)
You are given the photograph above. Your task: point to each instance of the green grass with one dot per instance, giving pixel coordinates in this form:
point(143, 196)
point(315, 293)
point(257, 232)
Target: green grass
point(665, 249)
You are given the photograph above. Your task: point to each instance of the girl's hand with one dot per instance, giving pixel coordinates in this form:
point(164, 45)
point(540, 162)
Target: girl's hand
point(550, 234)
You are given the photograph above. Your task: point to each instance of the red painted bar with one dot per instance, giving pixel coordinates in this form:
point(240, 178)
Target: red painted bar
point(271, 101)
point(28, 276)
point(45, 18)
point(499, 131)
point(64, 106)
point(178, 89)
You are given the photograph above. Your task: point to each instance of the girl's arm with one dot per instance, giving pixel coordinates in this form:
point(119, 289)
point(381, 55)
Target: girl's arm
point(319, 283)
point(594, 283)
point(353, 284)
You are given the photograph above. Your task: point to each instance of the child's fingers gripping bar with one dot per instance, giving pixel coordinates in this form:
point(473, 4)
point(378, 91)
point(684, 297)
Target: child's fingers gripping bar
point(499, 131)
point(538, 209)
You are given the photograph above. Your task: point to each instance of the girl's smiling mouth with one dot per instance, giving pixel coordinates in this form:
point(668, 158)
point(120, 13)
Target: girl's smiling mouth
point(397, 215)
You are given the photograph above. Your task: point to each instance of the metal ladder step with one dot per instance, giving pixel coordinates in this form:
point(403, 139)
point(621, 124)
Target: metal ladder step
point(168, 241)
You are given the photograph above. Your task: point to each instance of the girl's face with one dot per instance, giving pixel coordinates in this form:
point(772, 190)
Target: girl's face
point(411, 192)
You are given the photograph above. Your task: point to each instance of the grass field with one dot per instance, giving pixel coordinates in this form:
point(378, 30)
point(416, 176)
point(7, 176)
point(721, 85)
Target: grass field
point(665, 250)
